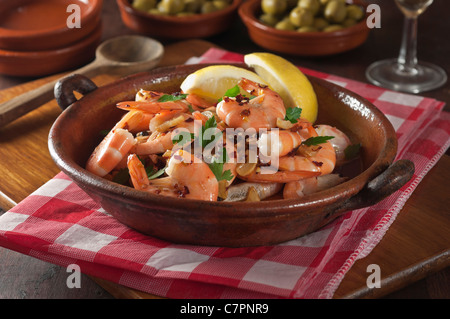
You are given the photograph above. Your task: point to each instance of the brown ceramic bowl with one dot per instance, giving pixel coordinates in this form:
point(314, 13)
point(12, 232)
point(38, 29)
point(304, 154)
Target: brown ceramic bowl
point(76, 133)
point(40, 63)
point(304, 43)
point(35, 25)
point(171, 27)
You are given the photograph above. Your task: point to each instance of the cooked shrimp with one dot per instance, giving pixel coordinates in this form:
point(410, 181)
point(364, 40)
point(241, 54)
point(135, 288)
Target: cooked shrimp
point(140, 181)
point(153, 105)
point(198, 103)
point(114, 147)
point(186, 178)
point(340, 141)
point(161, 139)
point(198, 179)
point(259, 112)
point(319, 158)
point(282, 142)
point(311, 185)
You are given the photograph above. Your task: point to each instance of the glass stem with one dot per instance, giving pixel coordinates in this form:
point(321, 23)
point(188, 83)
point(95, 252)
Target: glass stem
point(407, 58)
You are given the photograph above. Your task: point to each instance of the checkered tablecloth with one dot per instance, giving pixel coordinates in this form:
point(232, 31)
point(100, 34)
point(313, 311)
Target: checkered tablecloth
point(60, 224)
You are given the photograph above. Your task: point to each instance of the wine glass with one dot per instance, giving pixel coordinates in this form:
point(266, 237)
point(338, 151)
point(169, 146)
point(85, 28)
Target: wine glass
point(405, 73)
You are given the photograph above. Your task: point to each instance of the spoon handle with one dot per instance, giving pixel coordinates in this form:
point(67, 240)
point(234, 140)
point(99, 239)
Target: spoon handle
point(26, 102)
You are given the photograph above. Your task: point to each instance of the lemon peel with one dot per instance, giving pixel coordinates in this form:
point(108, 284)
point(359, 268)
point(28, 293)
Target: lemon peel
point(287, 80)
point(213, 81)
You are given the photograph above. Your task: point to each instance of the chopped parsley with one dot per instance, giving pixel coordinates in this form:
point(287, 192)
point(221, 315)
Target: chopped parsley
point(316, 140)
point(216, 166)
point(172, 97)
point(352, 151)
point(293, 114)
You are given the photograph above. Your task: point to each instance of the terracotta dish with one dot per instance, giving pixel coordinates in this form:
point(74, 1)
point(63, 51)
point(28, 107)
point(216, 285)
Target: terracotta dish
point(304, 43)
point(172, 27)
point(76, 132)
point(35, 25)
point(39, 63)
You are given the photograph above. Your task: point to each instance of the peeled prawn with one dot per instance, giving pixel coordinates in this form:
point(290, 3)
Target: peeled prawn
point(282, 142)
point(259, 112)
point(340, 141)
point(186, 178)
point(311, 185)
point(114, 147)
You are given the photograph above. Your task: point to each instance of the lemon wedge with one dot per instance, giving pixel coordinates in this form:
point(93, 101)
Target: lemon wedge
point(213, 81)
point(287, 80)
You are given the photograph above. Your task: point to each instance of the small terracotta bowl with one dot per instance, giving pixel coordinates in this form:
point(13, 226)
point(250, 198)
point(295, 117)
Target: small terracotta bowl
point(75, 134)
point(35, 25)
point(172, 27)
point(40, 63)
point(301, 43)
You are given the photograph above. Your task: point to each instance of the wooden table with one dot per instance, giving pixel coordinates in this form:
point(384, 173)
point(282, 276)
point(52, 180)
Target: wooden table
point(415, 252)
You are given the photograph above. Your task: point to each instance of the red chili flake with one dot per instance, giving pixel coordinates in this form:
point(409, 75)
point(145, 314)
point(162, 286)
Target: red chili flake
point(242, 99)
point(296, 128)
point(318, 164)
point(245, 112)
point(183, 191)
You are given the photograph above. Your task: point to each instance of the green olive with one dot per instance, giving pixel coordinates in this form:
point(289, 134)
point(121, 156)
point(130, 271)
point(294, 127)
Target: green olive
point(208, 7)
point(333, 27)
point(193, 6)
point(274, 6)
point(307, 29)
point(220, 4)
point(324, 2)
point(144, 5)
point(311, 5)
point(301, 17)
point(285, 24)
point(155, 11)
point(171, 6)
point(320, 23)
point(269, 19)
point(348, 22)
point(335, 11)
point(355, 12)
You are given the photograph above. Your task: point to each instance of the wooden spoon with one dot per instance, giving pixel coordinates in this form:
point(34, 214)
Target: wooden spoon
point(121, 56)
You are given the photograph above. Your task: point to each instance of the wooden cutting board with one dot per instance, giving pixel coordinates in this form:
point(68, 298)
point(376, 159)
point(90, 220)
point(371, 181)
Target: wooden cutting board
point(416, 245)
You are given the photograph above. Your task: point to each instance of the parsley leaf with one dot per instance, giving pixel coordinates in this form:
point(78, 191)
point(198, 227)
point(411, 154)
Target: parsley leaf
point(172, 97)
point(233, 92)
point(156, 174)
point(122, 176)
point(180, 137)
point(352, 151)
point(316, 140)
point(217, 168)
point(210, 124)
point(293, 114)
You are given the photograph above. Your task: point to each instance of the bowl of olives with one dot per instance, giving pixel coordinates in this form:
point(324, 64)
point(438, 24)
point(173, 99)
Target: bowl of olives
point(178, 19)
point(306, 27)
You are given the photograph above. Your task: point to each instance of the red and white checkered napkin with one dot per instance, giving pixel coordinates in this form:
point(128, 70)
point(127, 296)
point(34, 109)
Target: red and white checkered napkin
point(59, 223)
